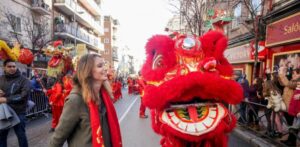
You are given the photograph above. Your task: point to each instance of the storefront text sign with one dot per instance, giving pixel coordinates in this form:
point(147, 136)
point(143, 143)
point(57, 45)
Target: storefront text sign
point(238, 54)
point(81, 49)
point(284, 30)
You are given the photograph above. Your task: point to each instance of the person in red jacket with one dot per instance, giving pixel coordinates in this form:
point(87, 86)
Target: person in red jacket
point(119, 88)
point(141, 86)
point(130, 85)
point(68, 84)
point(56, 101)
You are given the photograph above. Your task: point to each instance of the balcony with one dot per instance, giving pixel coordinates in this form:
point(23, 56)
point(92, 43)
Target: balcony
point(115, 57)
point(82, 36)
point(114, 37)
point(81, 15)
point(39, 6)
point(92, 6)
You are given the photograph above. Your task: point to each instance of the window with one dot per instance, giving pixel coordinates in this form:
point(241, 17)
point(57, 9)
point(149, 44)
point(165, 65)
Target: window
point(106, 52)
point(106, 40)
point(256, 6)
point(15, 23)
point(237, 12)
point(106, 30)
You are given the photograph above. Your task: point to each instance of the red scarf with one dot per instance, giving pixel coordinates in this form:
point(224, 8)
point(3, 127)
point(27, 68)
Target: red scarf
point(95, 125)
point(113, 122)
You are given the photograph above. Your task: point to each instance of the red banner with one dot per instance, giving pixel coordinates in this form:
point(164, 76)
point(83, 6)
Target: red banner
point(261, 50)
point(284, 30)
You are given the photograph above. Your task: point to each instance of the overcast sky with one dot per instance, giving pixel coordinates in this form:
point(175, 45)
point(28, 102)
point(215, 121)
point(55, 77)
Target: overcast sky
point(139, 20)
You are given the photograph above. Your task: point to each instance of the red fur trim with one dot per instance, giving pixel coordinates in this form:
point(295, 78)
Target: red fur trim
point(57, 43)
point(213, 44)
point(159, 45)
point(224, 68)
point(184, 88)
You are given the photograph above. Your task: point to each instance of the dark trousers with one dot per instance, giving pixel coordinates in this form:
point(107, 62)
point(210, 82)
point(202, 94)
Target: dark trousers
point(290, 120)
point(242, 111)
point(142, 108)
point(19, 131)
point(253, 114)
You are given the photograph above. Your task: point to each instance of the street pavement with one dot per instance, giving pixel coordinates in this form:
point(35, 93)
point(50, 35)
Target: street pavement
point(136, 132)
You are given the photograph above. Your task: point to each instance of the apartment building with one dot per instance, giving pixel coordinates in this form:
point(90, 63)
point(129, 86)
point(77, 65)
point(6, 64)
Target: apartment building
point(27, 22)
point(79, 23)
point(109, 39)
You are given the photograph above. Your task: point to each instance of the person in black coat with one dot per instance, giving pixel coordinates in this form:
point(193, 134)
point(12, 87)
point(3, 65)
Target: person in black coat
point(14, 90)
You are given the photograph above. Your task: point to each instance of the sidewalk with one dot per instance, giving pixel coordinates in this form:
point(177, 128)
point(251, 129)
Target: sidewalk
point(37, 132)
point(252, 138)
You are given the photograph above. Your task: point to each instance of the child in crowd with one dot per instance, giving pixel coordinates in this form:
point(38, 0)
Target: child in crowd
point(295, 105)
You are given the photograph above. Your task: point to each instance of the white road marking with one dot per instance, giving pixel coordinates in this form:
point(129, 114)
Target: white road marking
point(128, 109)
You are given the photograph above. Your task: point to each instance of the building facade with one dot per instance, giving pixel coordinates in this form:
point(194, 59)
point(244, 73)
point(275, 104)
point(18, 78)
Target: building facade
point(27, 22)
point(283, 34)
point(262, 33)
point(36, 23)
point(78, 23)
point(110, 42)
point(244, 32)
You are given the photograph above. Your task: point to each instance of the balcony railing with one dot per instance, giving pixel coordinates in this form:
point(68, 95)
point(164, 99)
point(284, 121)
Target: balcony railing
point(80, 33)
point(115, 57)
point(41, 7)
point(92, 6)
point(82, 15)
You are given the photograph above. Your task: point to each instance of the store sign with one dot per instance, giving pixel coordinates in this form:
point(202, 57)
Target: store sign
point(238, 54)
point(261, 50)
point(283, 31)
point(81, 49)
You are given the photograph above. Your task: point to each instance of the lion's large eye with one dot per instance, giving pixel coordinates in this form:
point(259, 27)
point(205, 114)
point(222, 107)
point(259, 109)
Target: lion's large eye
point(157, 62)
point(188, 43)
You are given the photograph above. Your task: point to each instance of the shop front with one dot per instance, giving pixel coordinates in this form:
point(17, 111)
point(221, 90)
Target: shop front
point(240, 58)
point(283, 39)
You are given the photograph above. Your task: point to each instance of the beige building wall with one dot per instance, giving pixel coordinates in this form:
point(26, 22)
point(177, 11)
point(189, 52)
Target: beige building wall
point(22, 9)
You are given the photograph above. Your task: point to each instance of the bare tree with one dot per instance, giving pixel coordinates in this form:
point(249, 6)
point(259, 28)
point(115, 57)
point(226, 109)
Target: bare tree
point(255, 14)
point(190, 12)
point(37, 30)
point(13, 22)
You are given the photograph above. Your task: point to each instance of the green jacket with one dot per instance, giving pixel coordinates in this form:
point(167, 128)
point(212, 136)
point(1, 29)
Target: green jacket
point(74, 124)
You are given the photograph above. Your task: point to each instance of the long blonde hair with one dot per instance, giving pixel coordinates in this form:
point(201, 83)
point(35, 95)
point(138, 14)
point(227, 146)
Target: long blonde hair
point(84, 78)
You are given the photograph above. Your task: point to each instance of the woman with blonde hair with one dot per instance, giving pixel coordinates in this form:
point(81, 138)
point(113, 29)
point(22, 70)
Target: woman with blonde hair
point(89, 118)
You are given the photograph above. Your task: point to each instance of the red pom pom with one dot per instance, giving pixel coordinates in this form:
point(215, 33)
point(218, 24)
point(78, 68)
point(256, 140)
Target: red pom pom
point(26, 56)
point(57, 43)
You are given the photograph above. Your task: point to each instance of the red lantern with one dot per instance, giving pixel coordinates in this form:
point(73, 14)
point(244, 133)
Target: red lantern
point(26, 56)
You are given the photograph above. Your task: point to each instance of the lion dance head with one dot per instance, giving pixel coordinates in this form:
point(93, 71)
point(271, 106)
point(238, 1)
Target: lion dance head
point(188, 86)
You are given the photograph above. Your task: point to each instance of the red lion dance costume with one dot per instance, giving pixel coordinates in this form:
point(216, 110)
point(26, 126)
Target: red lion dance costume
point(188, 79)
